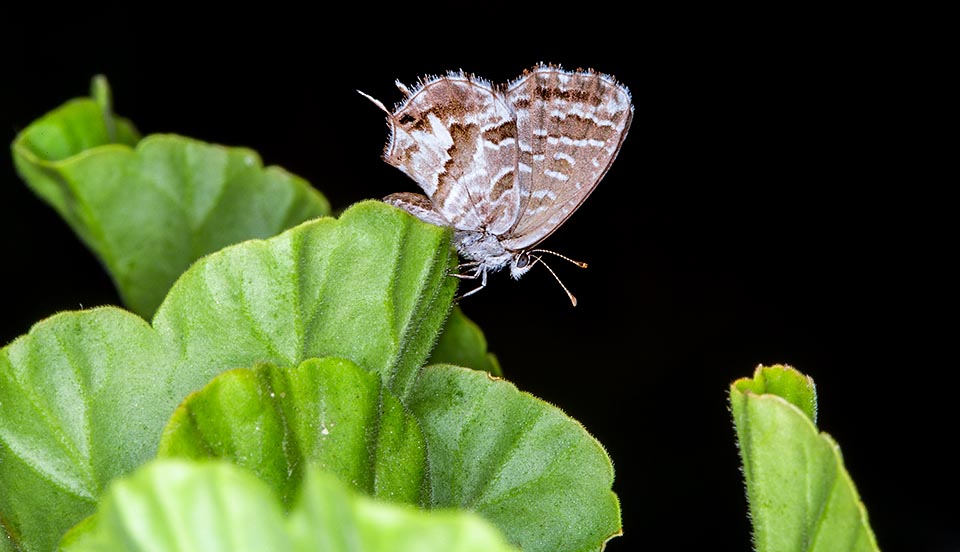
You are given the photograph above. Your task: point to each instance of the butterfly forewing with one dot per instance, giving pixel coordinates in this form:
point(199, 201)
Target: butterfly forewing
point(456, 137)
point(570, 126)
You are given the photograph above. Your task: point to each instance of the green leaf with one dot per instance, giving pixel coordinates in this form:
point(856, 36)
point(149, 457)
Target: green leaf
point(462, 343)
point(785, 382)
point(209, 507)
point(77, 126)
point(327, 412)
point(84, 396)
point(328, 518)
point(183, 506)
point(801, 496)
point(149, 212)
point(82, 399)
point(371, 287)
point(516, 460)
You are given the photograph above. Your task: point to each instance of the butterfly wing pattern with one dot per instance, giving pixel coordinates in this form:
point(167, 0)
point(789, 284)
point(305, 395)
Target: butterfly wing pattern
point(505, 165)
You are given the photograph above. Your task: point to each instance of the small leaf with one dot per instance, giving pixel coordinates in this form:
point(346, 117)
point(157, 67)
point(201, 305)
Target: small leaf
point(516, 460)
point(77, 126)
point(209, 507)
point(326, 412)
point(329, 518)
point(801, 496)
point(82, 400)
point(149, 212)
point(462, 343)
point(371, 287)
point(182, 506)
point(785, 382)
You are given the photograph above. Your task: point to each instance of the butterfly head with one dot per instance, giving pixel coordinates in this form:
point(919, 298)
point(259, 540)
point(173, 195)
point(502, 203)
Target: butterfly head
point(521, 263)
point(524, 260)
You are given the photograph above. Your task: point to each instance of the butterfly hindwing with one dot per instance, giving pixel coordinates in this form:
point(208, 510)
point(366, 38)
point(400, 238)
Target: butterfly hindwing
point(570, 126)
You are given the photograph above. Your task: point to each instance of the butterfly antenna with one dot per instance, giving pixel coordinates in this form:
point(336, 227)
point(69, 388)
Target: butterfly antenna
point(375, 101)
point(573, 299)
point(564, 257)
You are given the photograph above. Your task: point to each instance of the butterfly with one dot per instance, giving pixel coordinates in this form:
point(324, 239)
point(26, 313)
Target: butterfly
point(505, 165)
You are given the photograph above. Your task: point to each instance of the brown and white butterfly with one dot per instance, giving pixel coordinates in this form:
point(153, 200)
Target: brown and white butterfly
point(505, 165)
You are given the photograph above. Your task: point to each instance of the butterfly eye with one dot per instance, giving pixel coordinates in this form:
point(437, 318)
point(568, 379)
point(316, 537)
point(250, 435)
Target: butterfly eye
point(523, 260)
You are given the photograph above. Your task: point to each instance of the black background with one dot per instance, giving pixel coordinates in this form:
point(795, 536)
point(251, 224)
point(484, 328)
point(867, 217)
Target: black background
point(774, 202)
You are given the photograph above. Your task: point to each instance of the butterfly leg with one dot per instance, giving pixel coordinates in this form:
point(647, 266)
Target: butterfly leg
point(472, 272)
point(471, 265)
point(482, 274)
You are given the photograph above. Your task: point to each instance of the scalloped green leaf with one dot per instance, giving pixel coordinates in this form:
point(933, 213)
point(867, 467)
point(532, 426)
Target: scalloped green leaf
point(82, 400)
point(801, 496)
point(328, 518)
point(327, 412)
point(213, 506)
point(516, 460)
point(85, 395)
point(371, 287)
point(79, 125)
point(178, 505)
point(462, 343)
point(150, 209)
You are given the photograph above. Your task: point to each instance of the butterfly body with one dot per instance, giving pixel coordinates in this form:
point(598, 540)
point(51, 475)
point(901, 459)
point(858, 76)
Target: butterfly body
point(489, 253)
point(505, 165)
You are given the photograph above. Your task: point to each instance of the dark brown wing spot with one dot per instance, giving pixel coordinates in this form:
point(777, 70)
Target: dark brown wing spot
point(554, 93)
point(502, 184)
point(559, 165)
point(409, 198)
point(578, 128)
point(501, 132)
point(526, 157)
point(464, 137)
